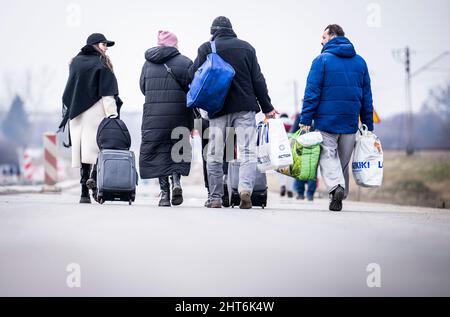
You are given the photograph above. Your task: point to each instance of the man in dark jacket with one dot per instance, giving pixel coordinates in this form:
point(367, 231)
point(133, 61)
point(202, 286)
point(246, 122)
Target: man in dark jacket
point(337, 94)
point(164, 82)
point(247, 95)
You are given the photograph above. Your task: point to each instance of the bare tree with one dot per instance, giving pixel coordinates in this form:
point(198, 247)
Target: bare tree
point(33, 86)
point(438, 102)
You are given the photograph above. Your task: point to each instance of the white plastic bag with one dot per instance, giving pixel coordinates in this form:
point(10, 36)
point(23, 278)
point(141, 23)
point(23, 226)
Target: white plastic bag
point(310, 139)
point(367, 162)
point(273, 146)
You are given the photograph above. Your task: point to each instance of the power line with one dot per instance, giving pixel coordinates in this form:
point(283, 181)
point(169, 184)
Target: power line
point(433, 61)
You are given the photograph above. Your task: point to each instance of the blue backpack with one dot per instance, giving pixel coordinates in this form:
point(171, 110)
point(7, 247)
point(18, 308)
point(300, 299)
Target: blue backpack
point(211, 83)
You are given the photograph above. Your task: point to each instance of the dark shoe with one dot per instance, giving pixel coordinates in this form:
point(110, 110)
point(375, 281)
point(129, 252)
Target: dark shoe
point(290, 194)
point(310, 198)
point(283, 191)
point(85, 200)
point(213, 204)
point(165, 192)
point(177, 196)
point(300, 197)
point(246, 200)
point(165, 199)
point(337, 196)
point(177, 191)
point(225, 197)
point(85, 172)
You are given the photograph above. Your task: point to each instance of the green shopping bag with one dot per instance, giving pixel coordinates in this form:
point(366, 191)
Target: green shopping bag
point(309, 162)
point(305, 159)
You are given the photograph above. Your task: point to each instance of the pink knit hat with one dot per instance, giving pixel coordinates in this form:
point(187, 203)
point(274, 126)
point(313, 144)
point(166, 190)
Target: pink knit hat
point(167, 38)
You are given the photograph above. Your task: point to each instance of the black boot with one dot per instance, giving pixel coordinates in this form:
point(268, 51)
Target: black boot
point(85, 172)
point(226, 196)
point(91, 183)
point(165, 192)
point(177, 191)
point(337, 196)
point(283, 191)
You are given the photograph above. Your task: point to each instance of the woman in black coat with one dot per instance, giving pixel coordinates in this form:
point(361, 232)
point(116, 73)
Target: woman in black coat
point(164, 82)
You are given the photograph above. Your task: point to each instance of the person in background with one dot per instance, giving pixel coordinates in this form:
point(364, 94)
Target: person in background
point(337, 95)
point(299, 188)
point(164, 83)
point(91, 94)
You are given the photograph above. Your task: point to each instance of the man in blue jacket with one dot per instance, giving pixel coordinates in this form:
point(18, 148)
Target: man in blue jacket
point(337, 94)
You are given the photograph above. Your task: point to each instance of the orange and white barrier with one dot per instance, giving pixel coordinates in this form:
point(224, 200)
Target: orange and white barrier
point(27, 166)
point(50, 159)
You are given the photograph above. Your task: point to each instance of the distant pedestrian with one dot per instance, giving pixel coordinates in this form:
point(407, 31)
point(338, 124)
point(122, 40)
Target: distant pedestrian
point(337, 94)
point(91, 94)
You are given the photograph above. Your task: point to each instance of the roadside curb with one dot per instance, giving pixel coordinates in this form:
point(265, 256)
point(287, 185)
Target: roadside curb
point(38, 189)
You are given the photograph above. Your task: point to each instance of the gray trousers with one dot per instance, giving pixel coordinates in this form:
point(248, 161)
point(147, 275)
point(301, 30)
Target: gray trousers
point(336, 151)
point(244, 125)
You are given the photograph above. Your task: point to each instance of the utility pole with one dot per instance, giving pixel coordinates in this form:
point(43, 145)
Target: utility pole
point(404, 56)
point(408, 93)
point(409, 110)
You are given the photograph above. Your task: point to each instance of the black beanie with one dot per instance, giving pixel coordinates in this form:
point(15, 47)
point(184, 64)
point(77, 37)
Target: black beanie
point(219, 23)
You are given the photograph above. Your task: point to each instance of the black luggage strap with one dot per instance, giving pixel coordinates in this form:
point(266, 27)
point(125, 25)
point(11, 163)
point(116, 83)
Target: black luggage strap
point(169, 70)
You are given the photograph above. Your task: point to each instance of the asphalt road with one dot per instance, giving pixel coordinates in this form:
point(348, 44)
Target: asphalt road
point(291, 248)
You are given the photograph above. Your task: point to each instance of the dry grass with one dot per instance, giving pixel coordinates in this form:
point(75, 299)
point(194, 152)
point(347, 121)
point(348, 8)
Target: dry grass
point(420, 180)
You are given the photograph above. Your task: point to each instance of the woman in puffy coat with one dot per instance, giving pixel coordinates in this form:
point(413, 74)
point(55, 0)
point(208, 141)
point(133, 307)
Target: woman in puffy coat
point(164, 82)
point(91, 94)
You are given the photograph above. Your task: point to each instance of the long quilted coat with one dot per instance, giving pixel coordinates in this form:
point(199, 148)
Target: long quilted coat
point(164, 110)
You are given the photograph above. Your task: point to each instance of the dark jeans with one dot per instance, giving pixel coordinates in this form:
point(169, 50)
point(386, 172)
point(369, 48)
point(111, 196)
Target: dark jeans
point(299, 187)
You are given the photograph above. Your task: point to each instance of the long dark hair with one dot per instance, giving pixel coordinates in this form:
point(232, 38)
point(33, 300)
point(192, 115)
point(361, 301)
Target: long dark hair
point(103, 57)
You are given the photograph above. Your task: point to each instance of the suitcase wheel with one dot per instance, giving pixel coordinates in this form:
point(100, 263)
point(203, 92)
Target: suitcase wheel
point(130, 202)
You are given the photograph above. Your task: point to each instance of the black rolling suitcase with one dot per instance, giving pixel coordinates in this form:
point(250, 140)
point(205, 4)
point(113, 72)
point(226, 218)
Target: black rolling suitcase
point(116, 176)
point(259, 194)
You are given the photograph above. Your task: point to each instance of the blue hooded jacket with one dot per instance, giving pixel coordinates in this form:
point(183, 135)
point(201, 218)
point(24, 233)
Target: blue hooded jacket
point(338, 90)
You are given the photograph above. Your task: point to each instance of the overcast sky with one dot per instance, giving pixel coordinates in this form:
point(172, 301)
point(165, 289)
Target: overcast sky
point(42, 36)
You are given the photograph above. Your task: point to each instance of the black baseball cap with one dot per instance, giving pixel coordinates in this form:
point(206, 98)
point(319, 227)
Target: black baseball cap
point(96, 38)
